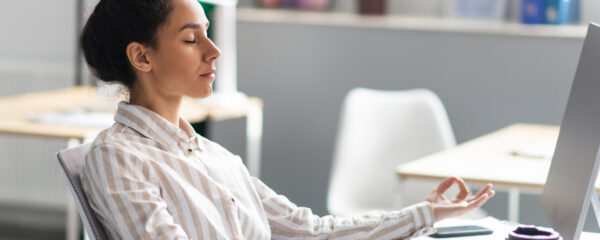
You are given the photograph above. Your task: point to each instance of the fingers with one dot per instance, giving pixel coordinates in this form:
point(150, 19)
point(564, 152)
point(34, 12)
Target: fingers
point(448, 209)
point(443, 198)
point(464, 190)
point(438, 193)
point(445, 184)
point(486, 189)
point(480, 200)
point(435, 197)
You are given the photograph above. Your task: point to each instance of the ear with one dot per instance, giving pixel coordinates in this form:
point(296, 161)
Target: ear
point(137, 54)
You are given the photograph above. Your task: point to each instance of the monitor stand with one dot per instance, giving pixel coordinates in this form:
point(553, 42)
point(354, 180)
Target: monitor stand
point(594, 198)
point(595, 202)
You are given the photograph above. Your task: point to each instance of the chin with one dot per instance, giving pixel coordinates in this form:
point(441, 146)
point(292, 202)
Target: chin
point(201, 94)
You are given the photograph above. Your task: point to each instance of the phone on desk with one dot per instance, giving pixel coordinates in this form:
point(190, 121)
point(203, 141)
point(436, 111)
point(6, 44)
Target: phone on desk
point(459, 231)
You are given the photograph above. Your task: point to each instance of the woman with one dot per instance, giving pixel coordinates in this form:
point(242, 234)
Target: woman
point(150, 176)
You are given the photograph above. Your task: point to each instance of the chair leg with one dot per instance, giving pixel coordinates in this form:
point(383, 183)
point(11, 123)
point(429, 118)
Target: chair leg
point(399, 191)
point(513, 205)
point(72, 228)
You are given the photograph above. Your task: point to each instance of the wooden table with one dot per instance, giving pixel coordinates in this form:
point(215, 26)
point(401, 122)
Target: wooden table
point(14, 112)
point(490, 158)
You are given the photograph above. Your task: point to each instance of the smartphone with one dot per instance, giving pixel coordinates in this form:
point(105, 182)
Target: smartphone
point(459, 231)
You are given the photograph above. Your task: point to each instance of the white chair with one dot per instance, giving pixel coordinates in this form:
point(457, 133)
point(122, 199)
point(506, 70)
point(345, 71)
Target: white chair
point(378, 131)
point(71, 161)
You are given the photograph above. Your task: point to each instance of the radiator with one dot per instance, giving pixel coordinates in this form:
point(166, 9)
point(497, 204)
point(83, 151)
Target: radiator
point(18, 77)
point(29, 172)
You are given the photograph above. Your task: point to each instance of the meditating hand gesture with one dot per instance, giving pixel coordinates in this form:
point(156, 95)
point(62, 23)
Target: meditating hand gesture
point(444, 208)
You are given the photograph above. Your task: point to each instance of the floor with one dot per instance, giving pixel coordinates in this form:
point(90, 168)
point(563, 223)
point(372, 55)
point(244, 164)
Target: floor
point(20, 233)
point(27, 223)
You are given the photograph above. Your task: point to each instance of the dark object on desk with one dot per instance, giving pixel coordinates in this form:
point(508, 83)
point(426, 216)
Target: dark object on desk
point(375, 7)
point(459, 231)
point(532, 233)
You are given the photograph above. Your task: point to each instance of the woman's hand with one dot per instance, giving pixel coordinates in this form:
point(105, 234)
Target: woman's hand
point(462, 203)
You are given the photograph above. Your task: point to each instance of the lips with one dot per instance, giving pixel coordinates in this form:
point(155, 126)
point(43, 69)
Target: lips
point(210, 74)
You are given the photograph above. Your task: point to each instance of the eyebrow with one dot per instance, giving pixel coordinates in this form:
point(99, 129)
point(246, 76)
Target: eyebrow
point(193, 26)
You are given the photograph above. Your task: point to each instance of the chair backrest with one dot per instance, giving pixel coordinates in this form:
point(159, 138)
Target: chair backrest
point(71, 161)
point(379, 130)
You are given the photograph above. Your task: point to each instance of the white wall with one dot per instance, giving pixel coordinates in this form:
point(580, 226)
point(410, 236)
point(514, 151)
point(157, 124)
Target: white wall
point(37, 30)
point(590, 11)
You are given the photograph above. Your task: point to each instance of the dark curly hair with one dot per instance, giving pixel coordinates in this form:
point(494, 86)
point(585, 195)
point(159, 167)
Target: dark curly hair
point(112, 26)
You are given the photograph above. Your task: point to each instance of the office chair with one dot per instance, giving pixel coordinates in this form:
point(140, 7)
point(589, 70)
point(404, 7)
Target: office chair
point(71, 161)
point(378, 131)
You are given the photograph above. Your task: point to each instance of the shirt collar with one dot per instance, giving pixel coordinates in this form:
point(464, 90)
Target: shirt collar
point(154, 126)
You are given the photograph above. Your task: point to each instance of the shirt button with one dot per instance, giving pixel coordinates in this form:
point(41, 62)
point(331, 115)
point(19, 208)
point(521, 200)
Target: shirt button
point(189, 152)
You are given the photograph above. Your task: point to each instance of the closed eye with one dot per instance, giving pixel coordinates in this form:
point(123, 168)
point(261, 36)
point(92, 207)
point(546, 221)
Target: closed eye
point(190, 41)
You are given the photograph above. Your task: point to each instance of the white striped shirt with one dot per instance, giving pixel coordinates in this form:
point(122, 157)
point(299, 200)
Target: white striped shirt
point(148, 179)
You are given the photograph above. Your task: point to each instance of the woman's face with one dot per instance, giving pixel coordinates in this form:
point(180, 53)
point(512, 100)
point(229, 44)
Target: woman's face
point(183, 61)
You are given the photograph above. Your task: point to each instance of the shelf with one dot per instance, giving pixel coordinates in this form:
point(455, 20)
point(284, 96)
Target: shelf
point(409, 23)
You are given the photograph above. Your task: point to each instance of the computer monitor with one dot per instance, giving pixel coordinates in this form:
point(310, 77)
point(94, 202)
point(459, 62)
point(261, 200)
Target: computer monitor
point(570, 186)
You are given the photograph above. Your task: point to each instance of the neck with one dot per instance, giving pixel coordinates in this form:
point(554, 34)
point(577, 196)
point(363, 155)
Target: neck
point(167, 106)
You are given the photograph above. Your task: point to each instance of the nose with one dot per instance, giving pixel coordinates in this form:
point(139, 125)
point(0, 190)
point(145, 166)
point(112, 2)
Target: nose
point(212, 52)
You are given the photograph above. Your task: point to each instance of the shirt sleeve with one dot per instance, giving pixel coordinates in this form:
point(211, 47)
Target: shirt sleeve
point(290, 221)
point(120, 189)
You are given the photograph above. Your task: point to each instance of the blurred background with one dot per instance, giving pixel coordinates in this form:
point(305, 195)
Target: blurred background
point(492, 63)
